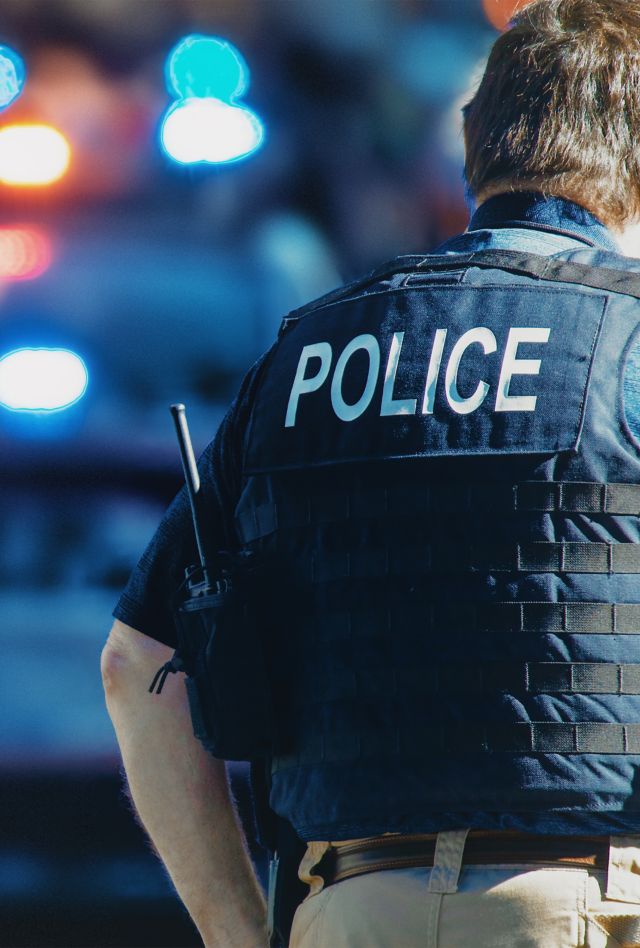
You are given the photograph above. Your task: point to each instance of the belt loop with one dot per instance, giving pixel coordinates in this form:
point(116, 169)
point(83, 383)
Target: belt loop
point(623, 872)
point(447, 861)
point(313, 855)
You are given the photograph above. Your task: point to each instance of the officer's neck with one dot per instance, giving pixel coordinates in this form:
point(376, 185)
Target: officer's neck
point(628, 239)
point(627, 236)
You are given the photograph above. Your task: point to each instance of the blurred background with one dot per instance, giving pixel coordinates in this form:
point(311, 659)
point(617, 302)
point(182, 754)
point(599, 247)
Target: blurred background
point(164, 201)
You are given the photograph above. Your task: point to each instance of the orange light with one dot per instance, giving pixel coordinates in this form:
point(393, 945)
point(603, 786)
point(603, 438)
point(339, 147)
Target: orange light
point(501, 12)
point(32, 155)
point(25, 253)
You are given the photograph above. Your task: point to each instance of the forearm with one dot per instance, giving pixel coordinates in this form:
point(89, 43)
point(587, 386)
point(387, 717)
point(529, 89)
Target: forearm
point(182, 797)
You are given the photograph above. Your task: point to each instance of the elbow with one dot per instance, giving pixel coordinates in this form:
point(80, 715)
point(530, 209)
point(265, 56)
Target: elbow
point(119, 656)
point(130, 659)
point(113, 665)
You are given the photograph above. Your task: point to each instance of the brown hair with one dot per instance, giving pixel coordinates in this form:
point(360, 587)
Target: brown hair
point(558, 108)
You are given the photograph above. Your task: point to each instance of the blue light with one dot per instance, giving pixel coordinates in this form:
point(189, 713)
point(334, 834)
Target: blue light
point(12, 76)
point(205, 66)
point(207, 123)
point(41, 380)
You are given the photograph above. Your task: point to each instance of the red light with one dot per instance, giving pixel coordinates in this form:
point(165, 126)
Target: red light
point(25, 253)
point(501, 12)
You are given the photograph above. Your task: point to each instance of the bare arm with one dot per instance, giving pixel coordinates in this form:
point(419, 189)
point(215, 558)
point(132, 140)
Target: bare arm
point(181, 794)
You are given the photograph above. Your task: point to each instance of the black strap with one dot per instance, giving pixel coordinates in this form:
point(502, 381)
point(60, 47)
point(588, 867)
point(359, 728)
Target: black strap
point(286, 891)
point(540, 267)
point(464, 737)
point(537, 266)
point(410, 501)
point(175, 664)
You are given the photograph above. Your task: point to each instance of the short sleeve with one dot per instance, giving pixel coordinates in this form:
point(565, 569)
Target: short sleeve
point(631, 390)
point(146, 603)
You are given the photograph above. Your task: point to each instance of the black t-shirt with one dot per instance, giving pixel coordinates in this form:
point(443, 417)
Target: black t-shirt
point(146, 602)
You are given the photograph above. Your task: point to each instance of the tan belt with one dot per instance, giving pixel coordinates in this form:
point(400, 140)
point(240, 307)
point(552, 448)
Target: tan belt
point(343, 861)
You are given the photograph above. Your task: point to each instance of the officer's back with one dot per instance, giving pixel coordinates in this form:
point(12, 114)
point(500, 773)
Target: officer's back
point(443, 461)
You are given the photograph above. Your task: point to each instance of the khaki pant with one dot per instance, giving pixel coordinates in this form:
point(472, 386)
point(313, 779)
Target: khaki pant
point(458, 906)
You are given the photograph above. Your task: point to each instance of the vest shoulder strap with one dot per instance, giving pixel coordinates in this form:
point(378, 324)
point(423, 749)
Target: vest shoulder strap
point(610, 279)
point(537, 266)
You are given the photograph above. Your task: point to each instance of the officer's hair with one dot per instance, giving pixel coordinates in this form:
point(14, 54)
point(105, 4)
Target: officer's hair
point(558, 107)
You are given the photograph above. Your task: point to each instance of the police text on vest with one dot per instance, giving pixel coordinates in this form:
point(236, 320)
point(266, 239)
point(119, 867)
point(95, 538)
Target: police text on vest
point(511, 365)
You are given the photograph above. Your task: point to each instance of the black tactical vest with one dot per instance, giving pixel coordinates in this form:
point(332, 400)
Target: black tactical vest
point(441, 479)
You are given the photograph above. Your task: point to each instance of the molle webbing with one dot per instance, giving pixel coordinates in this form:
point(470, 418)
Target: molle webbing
point(513, 618)
point(552, 618)
point(532, 496)
point(536, 557)
point(514, 678)
point(532, 737)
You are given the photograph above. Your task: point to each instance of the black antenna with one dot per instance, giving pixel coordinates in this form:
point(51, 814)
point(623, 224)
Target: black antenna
point(191, 475)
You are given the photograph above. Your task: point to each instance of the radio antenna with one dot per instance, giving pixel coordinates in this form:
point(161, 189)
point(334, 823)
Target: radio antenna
point(191, 476)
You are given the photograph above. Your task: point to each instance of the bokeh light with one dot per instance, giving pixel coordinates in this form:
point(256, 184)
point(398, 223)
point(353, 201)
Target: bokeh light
point(12, 76)
point(41, 380)
point(205, 66)
point(207, 123)
point(208, 130)
point(25, 253)
point(32, 155)
point(501, 12)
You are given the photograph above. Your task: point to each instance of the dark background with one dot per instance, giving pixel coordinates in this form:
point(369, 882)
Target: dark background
point(169, 281)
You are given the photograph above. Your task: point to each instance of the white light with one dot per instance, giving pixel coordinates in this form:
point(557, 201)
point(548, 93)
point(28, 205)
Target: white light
point(210, 130)
point(32, 155)
point(41, 380)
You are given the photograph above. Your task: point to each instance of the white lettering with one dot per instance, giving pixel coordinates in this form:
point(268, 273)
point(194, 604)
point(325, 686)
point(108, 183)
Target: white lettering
point(302, 385)
point(370, 345)
point(512, 366)
point(391, 405)
point(432, 374)
point(464, 406)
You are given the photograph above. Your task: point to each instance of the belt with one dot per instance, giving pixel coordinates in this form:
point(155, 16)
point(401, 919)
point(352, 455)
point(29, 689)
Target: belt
point(481, 848)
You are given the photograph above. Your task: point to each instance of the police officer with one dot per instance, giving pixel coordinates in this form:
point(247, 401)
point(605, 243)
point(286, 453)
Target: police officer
point(442, 461)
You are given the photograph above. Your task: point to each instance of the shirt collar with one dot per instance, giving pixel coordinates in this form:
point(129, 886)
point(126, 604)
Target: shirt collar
point(535, 211)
